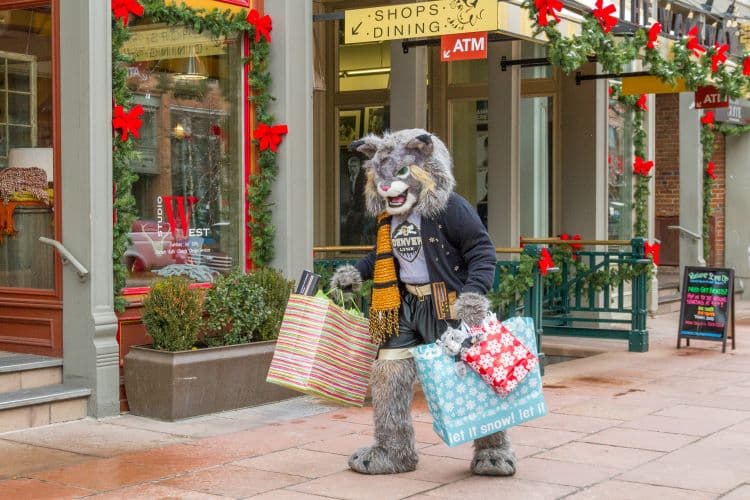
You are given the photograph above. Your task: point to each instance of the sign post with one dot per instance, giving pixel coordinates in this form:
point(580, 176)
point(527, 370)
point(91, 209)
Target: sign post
point(707, 305)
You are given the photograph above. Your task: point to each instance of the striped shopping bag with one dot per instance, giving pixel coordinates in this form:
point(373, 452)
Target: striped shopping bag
point(323, 350)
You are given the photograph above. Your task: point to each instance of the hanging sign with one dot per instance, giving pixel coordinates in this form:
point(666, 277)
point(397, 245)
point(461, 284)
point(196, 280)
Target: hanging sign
point(423, 19)
point(707, 305)
point(637, 85)
point(709, 97)
point(737, 113)
point(463, 47)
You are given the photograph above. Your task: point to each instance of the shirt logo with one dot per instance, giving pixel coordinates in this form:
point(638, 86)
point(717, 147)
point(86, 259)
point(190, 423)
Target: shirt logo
point(407, 241)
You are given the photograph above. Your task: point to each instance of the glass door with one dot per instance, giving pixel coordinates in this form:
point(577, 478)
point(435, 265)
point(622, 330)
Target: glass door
point(535, 164)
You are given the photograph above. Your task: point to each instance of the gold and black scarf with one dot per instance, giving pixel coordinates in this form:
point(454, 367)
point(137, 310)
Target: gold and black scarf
point(386, 298)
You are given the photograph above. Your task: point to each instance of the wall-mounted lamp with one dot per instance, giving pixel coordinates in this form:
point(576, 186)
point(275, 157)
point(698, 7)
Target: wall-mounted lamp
point(195, 70)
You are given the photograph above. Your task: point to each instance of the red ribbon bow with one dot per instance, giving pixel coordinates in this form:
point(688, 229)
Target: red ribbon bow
point(653, 35)
point(641, 102)
point(652, 249)
point(692, 42)
point(719, 56)
point(129, 122)
point(708, 118)
point(746, 66)
point(545, 8)
point(545, 262)
point(604, 15)
point(123, 8)
point(263, 25)
point(710, 170)
point(270, 136)
point(641, 167)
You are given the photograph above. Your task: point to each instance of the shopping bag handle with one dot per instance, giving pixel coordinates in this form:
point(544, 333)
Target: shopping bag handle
point(343, 302)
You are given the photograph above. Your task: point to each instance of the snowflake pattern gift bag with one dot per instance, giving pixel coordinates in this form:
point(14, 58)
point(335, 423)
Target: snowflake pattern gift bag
point(465, 408)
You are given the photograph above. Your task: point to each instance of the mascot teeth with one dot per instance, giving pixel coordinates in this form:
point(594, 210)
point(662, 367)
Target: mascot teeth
point(397, 201)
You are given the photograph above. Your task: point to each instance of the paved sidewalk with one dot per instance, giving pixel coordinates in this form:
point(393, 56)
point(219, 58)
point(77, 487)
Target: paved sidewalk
point(665, 424)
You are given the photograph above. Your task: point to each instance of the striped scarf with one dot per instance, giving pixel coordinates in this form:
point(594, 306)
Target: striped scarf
point(386, 299)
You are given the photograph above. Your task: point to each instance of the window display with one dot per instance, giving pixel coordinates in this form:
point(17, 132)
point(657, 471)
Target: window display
point(620, 173)
point(188, 194)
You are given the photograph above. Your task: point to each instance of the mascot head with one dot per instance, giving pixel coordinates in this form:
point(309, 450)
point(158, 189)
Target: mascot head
point(408, 170)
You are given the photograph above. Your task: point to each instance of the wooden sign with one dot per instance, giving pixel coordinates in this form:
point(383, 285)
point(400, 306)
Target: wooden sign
point(707, 305)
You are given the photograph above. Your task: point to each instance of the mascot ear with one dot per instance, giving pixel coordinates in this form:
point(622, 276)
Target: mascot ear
point(421, 143)
point(367, 145)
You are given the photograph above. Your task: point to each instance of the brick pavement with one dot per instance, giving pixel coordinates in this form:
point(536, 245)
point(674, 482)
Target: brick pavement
point(665, 424)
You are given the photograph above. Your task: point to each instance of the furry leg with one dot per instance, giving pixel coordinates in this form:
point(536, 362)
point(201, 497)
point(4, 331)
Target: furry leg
point(493, 456)
point(394, 449)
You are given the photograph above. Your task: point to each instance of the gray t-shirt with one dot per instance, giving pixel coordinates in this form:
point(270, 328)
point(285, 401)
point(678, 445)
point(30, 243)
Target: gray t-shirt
point(406, 240)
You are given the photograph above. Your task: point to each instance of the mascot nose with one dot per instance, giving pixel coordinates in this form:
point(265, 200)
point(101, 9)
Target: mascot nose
point(385, 187)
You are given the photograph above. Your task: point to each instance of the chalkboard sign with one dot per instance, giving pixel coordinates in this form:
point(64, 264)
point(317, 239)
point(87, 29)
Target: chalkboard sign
point(707, 305)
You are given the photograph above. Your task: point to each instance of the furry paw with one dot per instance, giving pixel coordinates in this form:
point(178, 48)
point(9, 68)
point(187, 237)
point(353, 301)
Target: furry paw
point(494, 462)
point(346, 278)
point(472, 308)
point(376, 460)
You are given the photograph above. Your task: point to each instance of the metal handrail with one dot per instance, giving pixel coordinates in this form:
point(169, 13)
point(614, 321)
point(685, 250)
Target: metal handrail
point(66, 256)
point(558, 241)
point(682, 230)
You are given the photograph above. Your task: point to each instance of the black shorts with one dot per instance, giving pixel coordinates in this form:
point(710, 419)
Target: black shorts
point(417, 323)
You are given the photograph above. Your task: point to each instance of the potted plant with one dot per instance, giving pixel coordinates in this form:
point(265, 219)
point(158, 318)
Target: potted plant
point(209, 353)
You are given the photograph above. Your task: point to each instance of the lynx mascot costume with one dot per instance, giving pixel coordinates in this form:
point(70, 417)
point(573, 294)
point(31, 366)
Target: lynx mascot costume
point(431, 248)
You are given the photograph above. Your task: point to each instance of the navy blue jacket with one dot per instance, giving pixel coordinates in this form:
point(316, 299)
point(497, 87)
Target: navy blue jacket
point(457, 248)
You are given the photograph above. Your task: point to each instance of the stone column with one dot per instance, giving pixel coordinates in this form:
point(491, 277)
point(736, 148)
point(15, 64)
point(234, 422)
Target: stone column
point(291, 65)
point(91, 352)
point(408, 87)
point(691, 184)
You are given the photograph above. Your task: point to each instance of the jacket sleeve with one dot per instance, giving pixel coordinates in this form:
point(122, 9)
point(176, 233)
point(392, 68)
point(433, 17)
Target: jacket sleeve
point(466, 232)
point(366, 265)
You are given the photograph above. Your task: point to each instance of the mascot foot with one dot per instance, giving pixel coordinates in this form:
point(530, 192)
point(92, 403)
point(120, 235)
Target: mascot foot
point(494, 462)
point(376, 460)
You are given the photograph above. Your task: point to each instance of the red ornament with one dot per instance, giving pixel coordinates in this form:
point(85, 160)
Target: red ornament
point(652, 249)
point(263, 25)
point(746, 66)
point(708, 118)
point(129, 122)
point(604, 15)
point(270, 136)
point(641, 167)
point(710, 170)
point(719, 56)
point(692, 42)
point(653, 35)
point(611, 90)
point(545, 262)
point(545, 8)
point(641, 102)
point(576, 246)
point(123, 8)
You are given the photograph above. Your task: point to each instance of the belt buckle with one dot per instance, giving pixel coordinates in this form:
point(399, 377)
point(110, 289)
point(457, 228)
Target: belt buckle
point(420, 295)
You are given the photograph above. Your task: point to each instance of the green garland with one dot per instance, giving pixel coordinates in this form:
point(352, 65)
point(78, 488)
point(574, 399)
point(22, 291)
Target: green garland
point(219, 24)
point(708, 145)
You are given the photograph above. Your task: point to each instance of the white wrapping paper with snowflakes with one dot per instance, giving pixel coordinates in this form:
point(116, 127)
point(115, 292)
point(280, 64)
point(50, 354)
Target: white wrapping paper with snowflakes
point(465, 408)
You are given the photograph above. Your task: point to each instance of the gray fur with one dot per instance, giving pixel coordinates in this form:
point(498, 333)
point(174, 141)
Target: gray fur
point(493, 456)
point(346, 276)
point(472, 308)
point(406, 148)
point(395, 448)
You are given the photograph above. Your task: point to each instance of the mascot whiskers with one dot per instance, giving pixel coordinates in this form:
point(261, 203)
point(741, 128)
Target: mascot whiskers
point(432, 266)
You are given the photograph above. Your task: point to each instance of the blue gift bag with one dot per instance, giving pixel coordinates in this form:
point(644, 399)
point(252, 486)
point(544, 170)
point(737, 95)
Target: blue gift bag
point(465, 408)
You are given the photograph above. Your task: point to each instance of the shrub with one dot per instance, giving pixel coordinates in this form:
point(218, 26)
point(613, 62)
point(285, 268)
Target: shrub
point(172, 314)
point(276, 290)
point(235, 308)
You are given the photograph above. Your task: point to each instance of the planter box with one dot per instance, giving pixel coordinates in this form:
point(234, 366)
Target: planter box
point(175, 385)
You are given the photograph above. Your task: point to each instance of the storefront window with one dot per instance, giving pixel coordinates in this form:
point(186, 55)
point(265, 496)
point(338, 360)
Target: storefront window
point(619, 161)
point(363, 66)
point(475, 71)
point(188, 194)
point(531, 50)
point(536, 160)
point(469, 141)
point(26, 148)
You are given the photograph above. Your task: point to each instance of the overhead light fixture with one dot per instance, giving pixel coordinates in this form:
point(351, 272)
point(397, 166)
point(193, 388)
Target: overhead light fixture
point(362, 72)
point(195, 71)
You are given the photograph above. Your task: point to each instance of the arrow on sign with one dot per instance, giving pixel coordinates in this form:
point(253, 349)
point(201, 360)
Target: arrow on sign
point(355, 30)
point(446, 54)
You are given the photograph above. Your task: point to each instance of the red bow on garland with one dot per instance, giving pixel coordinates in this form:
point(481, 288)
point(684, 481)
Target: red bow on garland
point(719, 56)
point(692, 42)
point(574, 246)
point(604, 15)
point(123, 8)
point(641, 167)
point(545, 262)
point(545, 8)
point(270, 136)
point(653, 35)
point(129, 122)
point(710, 170)
point(746, 66)
point(708, 118)
point(652, 249)
point(641, 102)
point(263, 25)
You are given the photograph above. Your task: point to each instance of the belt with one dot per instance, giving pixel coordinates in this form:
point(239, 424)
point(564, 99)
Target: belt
point(395, 354)
point(420, 291)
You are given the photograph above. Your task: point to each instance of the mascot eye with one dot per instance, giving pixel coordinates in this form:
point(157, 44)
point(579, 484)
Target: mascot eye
point(403, 172)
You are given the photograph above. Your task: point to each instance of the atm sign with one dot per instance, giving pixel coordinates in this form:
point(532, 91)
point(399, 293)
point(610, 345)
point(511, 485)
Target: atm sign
point(709, 97)
point(463, 46)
